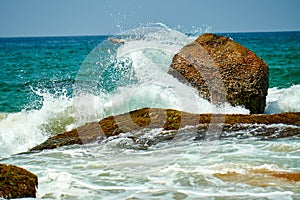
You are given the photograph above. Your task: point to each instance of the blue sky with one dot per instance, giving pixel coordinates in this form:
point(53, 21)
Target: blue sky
point(98, 17)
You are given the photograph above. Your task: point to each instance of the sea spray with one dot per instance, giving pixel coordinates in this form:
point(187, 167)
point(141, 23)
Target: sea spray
point(22, 130)
point(115, 168)
point(283, 100)
point(121, 82)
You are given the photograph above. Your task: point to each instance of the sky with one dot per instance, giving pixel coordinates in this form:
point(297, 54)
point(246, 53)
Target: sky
point(105, 17)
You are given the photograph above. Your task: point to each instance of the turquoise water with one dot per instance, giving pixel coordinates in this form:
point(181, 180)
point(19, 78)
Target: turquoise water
point(43, 62)
point(53, 84)
point(53, 62)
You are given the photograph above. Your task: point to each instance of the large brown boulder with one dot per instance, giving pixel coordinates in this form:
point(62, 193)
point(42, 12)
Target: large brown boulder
point(244, 74)
point(16, 182)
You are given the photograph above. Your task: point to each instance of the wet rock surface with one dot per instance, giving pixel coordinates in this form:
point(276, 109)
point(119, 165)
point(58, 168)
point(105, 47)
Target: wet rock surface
point(171, 122)
point(261, 177)
point(16, 182)
point(220, 68)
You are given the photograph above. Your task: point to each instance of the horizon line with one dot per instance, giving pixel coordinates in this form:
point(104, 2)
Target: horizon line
point(109, 34)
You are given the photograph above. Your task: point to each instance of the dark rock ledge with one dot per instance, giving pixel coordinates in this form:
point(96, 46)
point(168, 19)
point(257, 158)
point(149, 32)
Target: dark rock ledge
point(173, 120)
point(16, 182)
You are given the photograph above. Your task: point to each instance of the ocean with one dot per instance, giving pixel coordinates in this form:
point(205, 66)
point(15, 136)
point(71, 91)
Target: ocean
point(53, 84)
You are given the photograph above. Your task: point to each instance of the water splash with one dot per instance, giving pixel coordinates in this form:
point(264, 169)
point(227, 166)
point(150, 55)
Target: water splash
point(283, 100)
point(116, 79)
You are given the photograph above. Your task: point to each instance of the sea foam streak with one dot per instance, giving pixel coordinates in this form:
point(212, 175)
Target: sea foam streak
point(121, 78)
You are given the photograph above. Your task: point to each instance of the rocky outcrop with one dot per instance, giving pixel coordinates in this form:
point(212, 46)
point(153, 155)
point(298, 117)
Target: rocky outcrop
point(211, 58)
point(172, 120)
point(16, 182)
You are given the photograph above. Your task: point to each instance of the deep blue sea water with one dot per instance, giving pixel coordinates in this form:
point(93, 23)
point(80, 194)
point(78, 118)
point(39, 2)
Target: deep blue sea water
point(52, 84)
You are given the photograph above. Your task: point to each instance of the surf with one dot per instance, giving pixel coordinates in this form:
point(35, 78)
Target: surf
point(118, 78)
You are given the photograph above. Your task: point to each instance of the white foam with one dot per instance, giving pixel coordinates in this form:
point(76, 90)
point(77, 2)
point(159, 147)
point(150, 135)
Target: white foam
point(269, 195)
point(151, 58)
point(55, 184)
point(153, 87)
point(23, 130)
point(283, 100)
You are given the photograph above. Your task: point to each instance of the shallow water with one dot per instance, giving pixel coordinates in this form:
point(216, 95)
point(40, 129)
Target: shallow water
point(173, 170)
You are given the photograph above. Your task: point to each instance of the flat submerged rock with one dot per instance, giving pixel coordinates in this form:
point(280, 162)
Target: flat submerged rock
point(261, 177)
point(262, 126)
